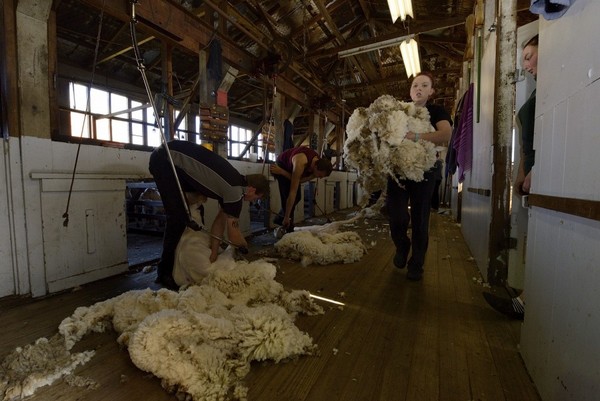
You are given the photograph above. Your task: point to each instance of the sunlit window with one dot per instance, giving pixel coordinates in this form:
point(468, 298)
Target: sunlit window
point(113, 117)
point(108, 116)
point(240, 139)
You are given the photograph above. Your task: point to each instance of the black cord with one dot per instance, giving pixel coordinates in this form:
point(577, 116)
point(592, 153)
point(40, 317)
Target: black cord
point(87, 109)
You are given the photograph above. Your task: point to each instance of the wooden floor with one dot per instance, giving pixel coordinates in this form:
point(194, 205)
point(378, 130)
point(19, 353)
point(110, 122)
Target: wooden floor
point(394, 339)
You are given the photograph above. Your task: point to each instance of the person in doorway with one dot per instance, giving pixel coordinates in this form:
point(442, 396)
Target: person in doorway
point(514, 307)
point(200, 172)
point(526, 120)
point(417, 193)
point(293, 167)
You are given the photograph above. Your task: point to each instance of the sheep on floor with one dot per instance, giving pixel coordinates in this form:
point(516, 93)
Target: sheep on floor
point(192, 258)
point(192, 255)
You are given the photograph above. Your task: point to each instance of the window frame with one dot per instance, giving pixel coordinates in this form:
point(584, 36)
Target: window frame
point(239, 134)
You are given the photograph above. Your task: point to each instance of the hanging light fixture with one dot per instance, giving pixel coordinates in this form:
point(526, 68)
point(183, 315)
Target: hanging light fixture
point(373, 46)
point(400, 8)
point(410, 56)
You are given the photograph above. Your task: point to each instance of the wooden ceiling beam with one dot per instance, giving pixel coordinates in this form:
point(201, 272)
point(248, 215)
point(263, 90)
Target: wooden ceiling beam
point(424, 38)
point(367, 69)
point(177, 25)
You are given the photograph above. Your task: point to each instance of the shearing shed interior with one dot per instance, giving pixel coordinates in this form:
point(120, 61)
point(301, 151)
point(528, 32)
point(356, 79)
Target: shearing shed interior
point(90, 88)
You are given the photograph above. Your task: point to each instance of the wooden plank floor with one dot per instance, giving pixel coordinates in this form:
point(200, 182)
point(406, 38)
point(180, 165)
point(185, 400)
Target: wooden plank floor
point(394, 339)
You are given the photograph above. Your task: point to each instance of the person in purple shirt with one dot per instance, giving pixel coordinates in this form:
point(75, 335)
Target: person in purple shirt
point(293, 167)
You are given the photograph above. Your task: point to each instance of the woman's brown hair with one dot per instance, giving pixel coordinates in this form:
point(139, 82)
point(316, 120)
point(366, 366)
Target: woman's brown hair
point(428, 75)
point(531, 42)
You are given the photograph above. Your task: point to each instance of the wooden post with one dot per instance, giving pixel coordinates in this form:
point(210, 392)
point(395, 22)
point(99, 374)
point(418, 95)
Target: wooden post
point(9, 87)
point(203, 78)
point(278, 110)
point(34, 82)
point(320, 128)
point(506, 53)
point(167, 82)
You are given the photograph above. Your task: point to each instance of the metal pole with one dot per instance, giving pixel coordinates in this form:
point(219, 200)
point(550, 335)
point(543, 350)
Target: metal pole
point(192, 224)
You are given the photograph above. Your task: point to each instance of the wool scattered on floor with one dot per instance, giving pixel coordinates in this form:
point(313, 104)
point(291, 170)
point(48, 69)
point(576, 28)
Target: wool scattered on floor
point(36, 365)
point(199, 341)
point(322, 244)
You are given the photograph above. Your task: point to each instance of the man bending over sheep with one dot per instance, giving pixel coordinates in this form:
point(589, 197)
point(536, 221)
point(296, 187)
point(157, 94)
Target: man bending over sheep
point(203, 172)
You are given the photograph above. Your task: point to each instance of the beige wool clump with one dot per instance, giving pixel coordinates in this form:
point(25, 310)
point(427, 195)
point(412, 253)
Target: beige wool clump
point(200, 341)
point(376, 145)
point(322, 245)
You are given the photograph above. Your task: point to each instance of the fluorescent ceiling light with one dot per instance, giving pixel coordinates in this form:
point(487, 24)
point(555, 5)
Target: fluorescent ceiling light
point(373, 46)
point(410, 55)
point(400, 8)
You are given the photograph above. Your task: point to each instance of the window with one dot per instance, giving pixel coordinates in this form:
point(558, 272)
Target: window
point(240, 137)
point(114, 117)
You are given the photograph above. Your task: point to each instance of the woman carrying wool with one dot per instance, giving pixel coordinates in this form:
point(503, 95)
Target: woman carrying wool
point(418, 194)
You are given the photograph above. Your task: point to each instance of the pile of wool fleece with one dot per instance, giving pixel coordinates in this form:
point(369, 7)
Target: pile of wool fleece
point(376, 144)
point(199, 341)
point(322, 245)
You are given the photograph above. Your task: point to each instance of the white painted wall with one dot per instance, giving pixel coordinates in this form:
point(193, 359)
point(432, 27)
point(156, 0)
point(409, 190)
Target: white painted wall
point(7, 252)
point(476, 208)
point(47, 255)
point(560, 336)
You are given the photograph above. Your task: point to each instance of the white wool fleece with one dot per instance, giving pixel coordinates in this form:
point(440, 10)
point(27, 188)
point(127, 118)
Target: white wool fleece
point(322, 244)
point(199, 341)
point(322, 249)
point(376, 144)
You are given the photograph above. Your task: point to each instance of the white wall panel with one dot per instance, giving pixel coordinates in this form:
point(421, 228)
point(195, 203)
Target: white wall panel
point(559, 340)
point(7, 264)
point(39, 156)
point(475, 224)
point(560, 333)
point(581, 144)
point(93, 244)
point(476, 208)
